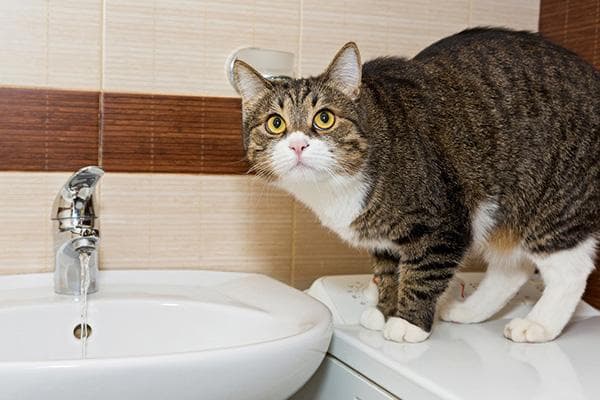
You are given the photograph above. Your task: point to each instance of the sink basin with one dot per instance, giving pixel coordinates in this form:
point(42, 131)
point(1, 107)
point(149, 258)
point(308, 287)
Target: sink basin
point(158, 335)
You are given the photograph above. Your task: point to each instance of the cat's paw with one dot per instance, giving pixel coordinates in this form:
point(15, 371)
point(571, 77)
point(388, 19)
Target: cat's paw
point(372, 319)
point(371, 294)
point(526, 330)
point(400, 330)
point(460, 312)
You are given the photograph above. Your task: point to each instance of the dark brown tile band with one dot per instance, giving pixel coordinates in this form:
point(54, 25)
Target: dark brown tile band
point(47, 130)
point(58, 130)
point(150, 133)
point(574, 25)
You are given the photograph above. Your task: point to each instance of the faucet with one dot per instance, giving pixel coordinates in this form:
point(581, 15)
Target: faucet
point(75, 231)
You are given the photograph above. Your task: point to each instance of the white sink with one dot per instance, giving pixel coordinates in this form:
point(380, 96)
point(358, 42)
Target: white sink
point(160, 335)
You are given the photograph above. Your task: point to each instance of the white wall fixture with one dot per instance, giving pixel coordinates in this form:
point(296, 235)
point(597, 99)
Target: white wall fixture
point(270, 63)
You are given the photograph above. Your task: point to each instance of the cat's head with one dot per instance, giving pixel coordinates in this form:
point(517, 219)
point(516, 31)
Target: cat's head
point(298, 130)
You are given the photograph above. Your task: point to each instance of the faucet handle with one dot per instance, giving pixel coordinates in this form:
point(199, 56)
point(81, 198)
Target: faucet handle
point(82, 183)
point(75, 199)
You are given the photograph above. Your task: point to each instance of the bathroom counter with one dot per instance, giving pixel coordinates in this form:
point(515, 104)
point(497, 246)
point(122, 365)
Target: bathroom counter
point(465, 362)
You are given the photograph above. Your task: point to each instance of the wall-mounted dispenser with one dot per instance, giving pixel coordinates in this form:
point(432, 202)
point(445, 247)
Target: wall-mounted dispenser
point(272, 64)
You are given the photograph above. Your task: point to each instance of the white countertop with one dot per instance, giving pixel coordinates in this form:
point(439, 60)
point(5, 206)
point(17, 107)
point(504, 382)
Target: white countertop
point(467, 361)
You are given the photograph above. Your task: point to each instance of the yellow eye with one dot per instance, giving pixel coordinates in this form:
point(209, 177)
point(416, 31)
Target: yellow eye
point(275, 125)
point(324, 119)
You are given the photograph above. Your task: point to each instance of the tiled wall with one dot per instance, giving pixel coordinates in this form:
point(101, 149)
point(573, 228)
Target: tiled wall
point(229, 222)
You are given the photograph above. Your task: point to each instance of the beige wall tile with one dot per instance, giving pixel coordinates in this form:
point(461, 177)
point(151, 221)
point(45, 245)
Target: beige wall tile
point(181, 47)
point(74, 44)
point(417, 24)
point(384, 27)
point(246, 226)
point(125, 220)
point(230, 25)
point(26, 200)
point(323, 33)
point(319, 252)
point(277, 25)
point(231, 223)
point(129, 45)
point(23, 29)
point(50, 43)
point(180, 42)
point(516, 14)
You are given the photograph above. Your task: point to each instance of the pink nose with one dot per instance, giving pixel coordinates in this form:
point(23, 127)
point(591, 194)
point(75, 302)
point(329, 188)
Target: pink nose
point(298, 145)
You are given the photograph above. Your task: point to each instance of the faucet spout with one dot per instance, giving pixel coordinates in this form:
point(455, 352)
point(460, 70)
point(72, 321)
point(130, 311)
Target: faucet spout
point(75, 231)
point(74, 200)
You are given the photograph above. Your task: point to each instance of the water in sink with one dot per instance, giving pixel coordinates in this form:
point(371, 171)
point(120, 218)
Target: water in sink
point(84, 261)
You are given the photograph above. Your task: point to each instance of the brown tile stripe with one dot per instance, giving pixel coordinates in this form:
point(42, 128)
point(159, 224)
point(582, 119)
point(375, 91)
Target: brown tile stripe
point(575, 25)
point(47, 130)
point(149, 133)
point(58, 130)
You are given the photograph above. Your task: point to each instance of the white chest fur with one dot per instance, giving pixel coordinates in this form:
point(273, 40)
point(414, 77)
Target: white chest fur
point(336, 203)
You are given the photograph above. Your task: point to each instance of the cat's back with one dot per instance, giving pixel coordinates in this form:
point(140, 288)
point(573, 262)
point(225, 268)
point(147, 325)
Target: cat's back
point(507, 64)
point(514, 68)
point(497, 45)
point(510, 113)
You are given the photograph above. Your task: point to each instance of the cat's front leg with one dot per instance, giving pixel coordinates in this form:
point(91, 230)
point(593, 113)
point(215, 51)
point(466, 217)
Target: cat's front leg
point(382, 292)
point(424, 275)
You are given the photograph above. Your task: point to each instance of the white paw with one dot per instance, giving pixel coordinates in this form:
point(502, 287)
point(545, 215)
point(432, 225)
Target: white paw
point(371, 294)
point(372, 319)
point(525, 330)
point(459, 312)
point(400, 330)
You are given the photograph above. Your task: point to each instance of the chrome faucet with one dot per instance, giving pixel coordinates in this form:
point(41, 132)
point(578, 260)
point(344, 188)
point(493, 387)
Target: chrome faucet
point(75, 231)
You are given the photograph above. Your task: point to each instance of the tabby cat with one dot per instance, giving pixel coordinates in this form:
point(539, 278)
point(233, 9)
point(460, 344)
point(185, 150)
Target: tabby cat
point(487, 142)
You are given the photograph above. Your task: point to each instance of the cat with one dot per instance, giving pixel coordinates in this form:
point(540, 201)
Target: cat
point(487, 142)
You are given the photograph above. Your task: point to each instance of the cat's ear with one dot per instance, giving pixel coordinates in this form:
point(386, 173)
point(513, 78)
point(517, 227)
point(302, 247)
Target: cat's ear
point(248, 82)
point(345, 70)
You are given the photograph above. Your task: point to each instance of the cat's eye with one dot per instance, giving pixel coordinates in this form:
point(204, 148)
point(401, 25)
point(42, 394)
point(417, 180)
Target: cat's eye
point(324, 119)
point(275, 125)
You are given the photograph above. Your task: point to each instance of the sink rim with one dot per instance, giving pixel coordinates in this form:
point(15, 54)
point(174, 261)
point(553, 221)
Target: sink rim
point(316, 325)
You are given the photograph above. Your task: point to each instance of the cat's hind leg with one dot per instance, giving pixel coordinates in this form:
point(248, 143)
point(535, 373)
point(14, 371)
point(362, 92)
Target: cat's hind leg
point(565, 274)
point(507, 271)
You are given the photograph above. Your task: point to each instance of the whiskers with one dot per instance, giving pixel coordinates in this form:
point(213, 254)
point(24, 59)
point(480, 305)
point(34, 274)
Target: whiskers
point(263, 170)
